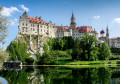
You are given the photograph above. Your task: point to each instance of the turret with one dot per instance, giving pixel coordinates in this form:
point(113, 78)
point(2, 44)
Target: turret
point(102, 33)
point(73, 22)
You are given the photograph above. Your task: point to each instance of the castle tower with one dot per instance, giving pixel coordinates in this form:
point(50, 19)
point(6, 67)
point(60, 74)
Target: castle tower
point(73, 22)
point(107, 35)
point(102, 33)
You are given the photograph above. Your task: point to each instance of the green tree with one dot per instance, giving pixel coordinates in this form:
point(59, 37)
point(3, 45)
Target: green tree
point(88, 44)
point(3, 33)
point(3, 27)
point(104, 51)
point(76, 50)
point(18, 50)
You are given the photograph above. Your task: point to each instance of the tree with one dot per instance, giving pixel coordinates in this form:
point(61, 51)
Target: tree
point(3, 33)
point(76, 50)
point(18, 50)
point(3, 27)
point(88, 44)
point(104, 51)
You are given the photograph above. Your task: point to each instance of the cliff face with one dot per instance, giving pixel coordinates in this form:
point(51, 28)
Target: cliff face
point(34, 43)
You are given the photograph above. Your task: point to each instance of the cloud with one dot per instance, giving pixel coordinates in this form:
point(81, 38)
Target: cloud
point(8, 11)
point(25, 8)
point(14, 21)
point(96, 17)
point(117, 20)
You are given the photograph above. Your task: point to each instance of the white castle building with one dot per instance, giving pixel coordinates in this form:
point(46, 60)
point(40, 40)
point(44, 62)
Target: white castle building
point(37, 26)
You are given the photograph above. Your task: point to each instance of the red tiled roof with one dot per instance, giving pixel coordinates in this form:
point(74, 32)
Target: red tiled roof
point(62, 27)
point(36, 20)
point(85, 29)
point(114, 38)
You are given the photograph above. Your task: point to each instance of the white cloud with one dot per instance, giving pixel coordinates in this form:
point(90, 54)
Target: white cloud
point(25, 8)
point(14, 21)
point(96, 17)
point(8, 11)
point(117, 20)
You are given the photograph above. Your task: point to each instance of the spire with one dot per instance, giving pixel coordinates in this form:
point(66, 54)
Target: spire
point(107, 31)
point(73, 15)
point(73, 22)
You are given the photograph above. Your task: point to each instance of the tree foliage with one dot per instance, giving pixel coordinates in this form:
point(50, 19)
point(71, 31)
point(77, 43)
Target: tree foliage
point(104, 51)
point(85, 48)
point(18, 50)
point(3, 27)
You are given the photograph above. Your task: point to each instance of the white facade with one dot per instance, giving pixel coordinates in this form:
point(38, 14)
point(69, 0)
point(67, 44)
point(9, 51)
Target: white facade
point(115, 42)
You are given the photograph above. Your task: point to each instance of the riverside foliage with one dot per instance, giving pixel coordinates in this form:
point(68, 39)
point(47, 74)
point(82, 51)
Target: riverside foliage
point(86, 49)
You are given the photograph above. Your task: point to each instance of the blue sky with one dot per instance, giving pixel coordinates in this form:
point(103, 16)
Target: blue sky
point(95, 13)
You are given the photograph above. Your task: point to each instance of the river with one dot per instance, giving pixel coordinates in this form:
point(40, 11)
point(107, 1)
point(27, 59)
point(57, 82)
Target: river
point(60, 75)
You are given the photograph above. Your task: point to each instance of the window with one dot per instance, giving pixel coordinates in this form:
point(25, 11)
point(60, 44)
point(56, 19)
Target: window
point(33, 29)
point(44, 30)
point(26, 24)
point(23, 24)
point(26, 29)
point(38, 30)
point(41, 26)
point(33, 25)
point(23, 29)
point(41, 30)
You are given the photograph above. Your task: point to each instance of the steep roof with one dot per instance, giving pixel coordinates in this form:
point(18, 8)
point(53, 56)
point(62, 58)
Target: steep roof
point(36, 20)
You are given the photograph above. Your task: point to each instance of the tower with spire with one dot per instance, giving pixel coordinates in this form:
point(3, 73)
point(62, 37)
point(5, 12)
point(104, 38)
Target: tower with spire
point(73, 22)
point(107, 35)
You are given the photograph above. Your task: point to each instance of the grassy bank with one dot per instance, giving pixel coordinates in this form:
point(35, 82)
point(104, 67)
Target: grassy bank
point(87, 62)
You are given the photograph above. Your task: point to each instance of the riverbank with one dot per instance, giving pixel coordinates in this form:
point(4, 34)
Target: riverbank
point(88, 62)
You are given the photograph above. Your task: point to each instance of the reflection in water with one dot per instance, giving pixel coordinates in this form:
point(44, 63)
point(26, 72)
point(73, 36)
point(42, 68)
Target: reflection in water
point(62, 75)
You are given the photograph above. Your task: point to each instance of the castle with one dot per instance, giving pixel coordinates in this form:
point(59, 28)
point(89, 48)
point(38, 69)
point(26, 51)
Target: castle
point(37, 26)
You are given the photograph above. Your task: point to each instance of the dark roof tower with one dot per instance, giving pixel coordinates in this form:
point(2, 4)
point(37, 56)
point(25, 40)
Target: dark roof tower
point(73, 22)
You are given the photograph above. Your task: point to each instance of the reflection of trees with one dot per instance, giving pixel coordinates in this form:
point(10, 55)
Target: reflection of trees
point(58, 75)
point(14, 77)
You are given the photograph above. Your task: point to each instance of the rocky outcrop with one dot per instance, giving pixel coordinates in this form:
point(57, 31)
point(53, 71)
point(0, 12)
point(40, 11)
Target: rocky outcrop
point(34, 43)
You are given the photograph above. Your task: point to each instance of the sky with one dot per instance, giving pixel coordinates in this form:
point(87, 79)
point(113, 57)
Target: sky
point(95, 13)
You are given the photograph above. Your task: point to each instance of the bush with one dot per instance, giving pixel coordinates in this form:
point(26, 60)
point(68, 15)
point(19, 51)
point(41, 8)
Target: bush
point(29, 60)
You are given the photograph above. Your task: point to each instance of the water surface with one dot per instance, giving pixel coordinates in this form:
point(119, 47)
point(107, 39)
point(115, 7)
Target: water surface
point(61, 75)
